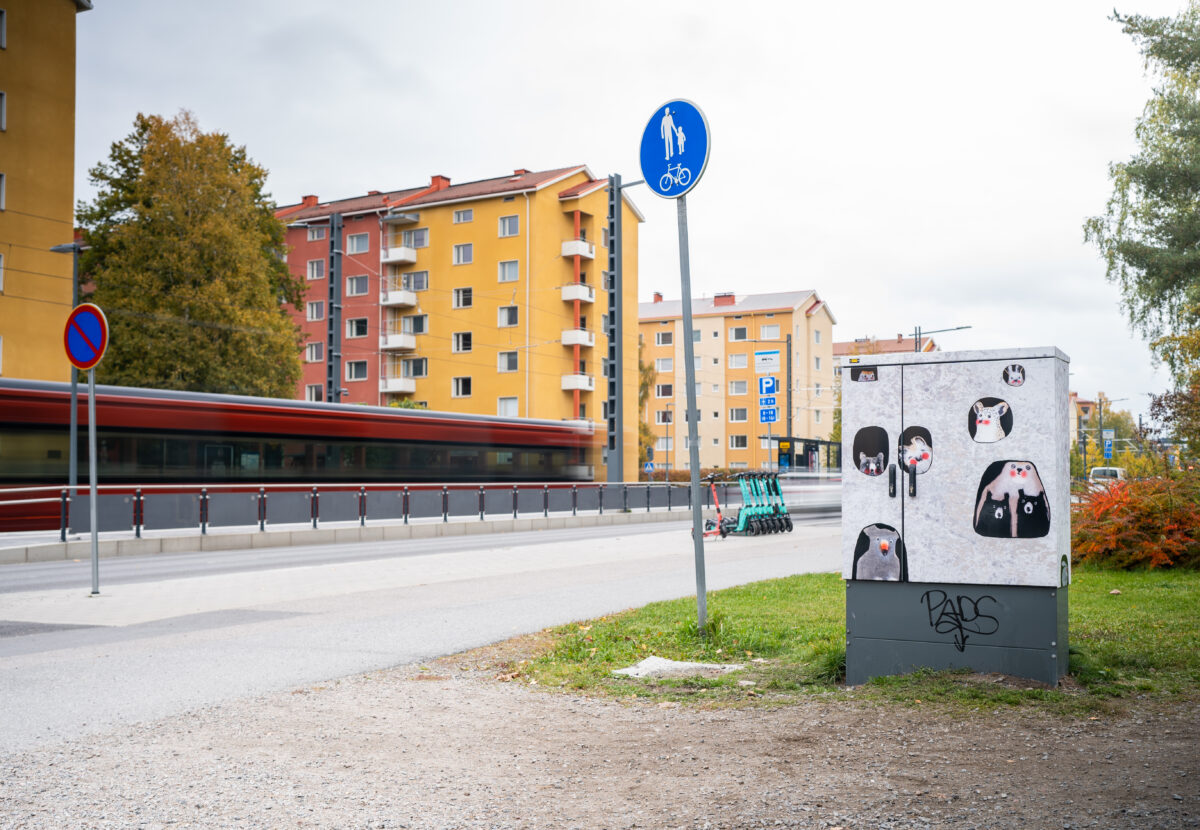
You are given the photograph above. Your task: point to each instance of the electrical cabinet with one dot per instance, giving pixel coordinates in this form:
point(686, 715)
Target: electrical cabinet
point(956, 512)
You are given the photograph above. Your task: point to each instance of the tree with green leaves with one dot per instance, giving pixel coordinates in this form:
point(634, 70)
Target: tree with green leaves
point(186, 258)
point(646, 437)
point(1149, 234)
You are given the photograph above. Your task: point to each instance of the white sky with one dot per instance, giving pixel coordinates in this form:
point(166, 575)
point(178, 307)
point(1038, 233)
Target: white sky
point(925, 163)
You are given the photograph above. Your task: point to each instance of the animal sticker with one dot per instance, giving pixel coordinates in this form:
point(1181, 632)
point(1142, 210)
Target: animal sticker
point(870, 451)
point(1014, 374)
point(989, 420)
point(1011, 502)
point(879, 555)
point(864, 374)
point(916, 449)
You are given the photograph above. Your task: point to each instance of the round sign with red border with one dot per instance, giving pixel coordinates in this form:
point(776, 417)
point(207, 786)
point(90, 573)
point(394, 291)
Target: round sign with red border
point(85, 336)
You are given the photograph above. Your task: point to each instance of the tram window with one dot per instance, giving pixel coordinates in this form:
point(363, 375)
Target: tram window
point(218, 459)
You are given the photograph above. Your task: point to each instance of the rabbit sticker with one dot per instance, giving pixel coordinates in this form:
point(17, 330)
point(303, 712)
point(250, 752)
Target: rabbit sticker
point(1014, 374)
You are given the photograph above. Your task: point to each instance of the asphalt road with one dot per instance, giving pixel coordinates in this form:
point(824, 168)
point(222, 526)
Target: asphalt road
point(171, 633)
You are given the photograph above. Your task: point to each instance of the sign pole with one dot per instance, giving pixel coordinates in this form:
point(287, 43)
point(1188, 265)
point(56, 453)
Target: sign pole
point(92, 480)
point(685, 279)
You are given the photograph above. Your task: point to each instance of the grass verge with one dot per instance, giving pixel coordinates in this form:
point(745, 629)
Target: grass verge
point(790, 636)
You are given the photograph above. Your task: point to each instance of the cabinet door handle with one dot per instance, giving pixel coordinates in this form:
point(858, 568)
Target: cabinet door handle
point(912, 480)
point(892, 480)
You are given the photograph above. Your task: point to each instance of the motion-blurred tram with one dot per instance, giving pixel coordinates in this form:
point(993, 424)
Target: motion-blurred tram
point(147, 437)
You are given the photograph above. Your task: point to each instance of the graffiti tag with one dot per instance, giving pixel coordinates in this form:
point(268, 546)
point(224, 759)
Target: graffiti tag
point(959, 616)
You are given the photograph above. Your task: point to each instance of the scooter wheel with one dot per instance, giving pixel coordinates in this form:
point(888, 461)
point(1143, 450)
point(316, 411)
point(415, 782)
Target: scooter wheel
point(788, 523)
point(724, 531)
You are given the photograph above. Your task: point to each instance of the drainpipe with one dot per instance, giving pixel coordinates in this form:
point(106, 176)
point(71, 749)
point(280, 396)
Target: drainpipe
point(528, 308)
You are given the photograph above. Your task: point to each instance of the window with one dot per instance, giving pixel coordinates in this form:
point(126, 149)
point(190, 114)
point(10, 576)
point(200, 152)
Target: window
point(3, 111)
point(664, 338)
point(695, 335)
point(316, 310)
point(463, 216)
point(664, 364)
point(506, 362)
point(356, 327)
point(663, 416)
point(697, 360)
point(356, 370)
point(462, 297)
point(415, 281)
point(765, 443)
point(817, 363)
point(509, 226)
point(506, 407)
point(817, 390)
point(738, 442)
point(314, 392)
point(461, 388)
point(739, 465)
point(316, 269)
point(664, 390)
point(414, 367)
point(817, 336)
point(768, 332)
point(738, 361)
point(604, 237)
point(3, 182)
point(315, 234)
point(414, 324)
point(358, 243)
point(737, 414)
point(817, 416)
point(506, 316)
point(1, 273)
point(737, 387)
point(415, 238)
point(314, 352)
point(464, 254)
point(462, 342)
point(507, 271)
point(664, 444)
point(356, 286)
point(737, 333)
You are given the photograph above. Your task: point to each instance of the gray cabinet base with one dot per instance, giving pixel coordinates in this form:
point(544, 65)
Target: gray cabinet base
point(896, 628)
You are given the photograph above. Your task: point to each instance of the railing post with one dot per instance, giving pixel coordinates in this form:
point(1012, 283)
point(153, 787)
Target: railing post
point(482, 501)
point(316, 507)
point(515, 501)
point(262, 509)
point(203, 511)
point(625, 497)
point(668, 497)
point(545, 501)
point(405, 506)
point(445, 503)
point(137, 513)
point(62, 517)
point(647, 497)
point(362, 506)
point(574, 499)
point(600, 493)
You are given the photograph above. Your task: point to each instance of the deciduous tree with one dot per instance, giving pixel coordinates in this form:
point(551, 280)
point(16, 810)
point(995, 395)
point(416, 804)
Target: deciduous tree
point(186, 259)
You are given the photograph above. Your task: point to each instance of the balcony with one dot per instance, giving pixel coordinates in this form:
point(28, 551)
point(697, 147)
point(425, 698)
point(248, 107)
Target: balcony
point(402, 218)
point(398, 385)
point(399, 341)
point(584, 383)
point(579, 247)
point(395, 297)
point(398, 255)
point(578, 291)
point(578, 337)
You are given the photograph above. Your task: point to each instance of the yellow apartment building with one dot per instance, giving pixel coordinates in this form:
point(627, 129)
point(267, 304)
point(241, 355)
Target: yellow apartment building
point(486, 297)
point(37, 183)
point(728, 331)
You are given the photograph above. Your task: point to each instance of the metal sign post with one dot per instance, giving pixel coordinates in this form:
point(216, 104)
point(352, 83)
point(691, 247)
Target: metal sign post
point(85, 339)
point(674, 154)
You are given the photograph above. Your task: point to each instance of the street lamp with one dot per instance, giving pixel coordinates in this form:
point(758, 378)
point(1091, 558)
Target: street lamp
point(667, 444)
point(73, 248)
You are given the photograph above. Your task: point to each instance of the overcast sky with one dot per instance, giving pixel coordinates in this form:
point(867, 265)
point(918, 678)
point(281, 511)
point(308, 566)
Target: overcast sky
point(917, 164)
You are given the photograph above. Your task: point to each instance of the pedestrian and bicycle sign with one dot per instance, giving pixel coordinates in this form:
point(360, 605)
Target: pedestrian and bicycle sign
point(85, 336)
point(674, 149)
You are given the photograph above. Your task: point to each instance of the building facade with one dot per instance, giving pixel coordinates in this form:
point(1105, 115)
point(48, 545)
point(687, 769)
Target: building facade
point(728, 330)
point(37, 183)
point(485, 297)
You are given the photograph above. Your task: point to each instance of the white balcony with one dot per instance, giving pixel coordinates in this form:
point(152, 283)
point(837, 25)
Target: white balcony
point(584, 383)
point(578, 337)
point(579, 247)
point(398, 297)
point(578, 291)
point(402, 342)
point(398, 255)
point(402, 218)
point(399, 385)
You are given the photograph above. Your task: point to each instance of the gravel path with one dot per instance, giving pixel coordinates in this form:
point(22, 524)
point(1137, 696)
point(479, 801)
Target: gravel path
point(451, 747)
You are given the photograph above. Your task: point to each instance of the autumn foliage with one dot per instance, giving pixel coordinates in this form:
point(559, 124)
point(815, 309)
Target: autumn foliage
point(1144, 523)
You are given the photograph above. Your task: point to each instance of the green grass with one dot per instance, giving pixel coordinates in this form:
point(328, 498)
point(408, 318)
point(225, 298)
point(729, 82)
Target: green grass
point(790, 635)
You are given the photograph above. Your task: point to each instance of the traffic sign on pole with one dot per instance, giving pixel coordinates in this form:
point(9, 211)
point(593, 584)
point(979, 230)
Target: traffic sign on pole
point(768, 416)
point(674, 149)
point(766, 361)
point(85, 336)
point(649, 468)
point(768, 385)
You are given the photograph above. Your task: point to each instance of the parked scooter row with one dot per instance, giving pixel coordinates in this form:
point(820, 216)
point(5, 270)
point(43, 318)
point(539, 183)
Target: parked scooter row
point(762, 511)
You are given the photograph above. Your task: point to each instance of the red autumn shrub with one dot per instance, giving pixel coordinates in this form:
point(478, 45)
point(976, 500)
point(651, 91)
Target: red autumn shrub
point(1144, 523)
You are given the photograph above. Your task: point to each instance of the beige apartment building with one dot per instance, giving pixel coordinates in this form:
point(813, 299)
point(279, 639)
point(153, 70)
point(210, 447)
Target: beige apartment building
point(729, 332)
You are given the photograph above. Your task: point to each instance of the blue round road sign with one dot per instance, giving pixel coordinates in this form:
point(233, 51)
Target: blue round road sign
point(675, 148)
point(85, 336)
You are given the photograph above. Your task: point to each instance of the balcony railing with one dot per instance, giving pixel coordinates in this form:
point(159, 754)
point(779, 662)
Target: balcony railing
point(578, 291)
point(579, 247)
point(398, 340)
point(398, 255)
point(399, 385)
point(578, 337)
point(585, 383)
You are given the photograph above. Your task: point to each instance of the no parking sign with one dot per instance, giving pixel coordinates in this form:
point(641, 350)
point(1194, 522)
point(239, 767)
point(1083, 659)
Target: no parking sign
point(85, 337)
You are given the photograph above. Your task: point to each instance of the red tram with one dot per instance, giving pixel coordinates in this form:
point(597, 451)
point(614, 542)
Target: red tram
point(147, 436)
